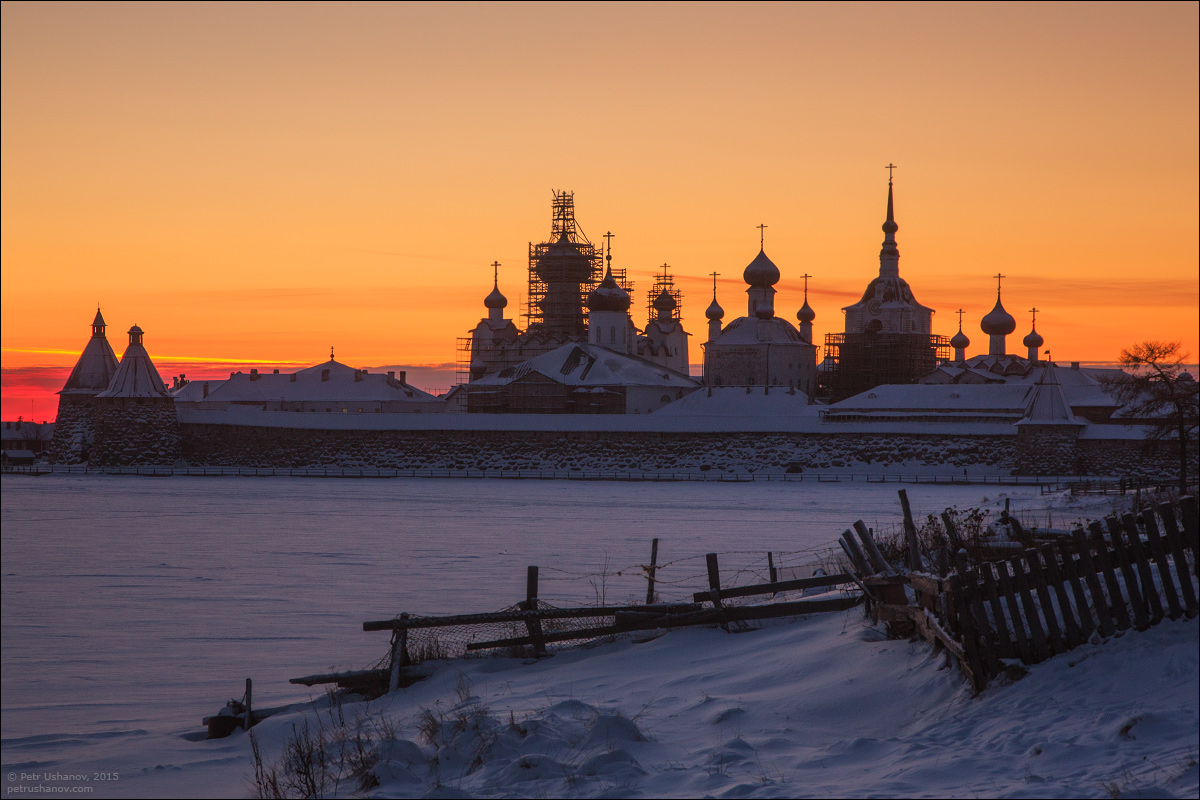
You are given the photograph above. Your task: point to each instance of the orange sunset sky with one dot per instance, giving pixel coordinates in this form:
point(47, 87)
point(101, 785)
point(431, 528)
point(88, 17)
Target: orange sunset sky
point(253, 183)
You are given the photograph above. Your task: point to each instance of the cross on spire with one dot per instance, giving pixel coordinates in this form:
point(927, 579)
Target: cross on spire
point(665, 266)
point(890, 167)
point(331, 352)
point(806, 276)
point(496, 272)
point(1034, 312)
point(714, 276)
point(960, 313)
point(761, 236)
point(608, 235)
point(998, 278)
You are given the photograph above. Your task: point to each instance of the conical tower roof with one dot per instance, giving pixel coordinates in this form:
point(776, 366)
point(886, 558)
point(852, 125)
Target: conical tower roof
point(136, 376)
point(96, 365)
point(1048, 402)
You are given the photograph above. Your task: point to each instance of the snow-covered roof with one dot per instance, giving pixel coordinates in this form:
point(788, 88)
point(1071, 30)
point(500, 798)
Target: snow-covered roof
point(588, 365)
point(1001, 398)
point(95, 368)
point(193, 391)
point(751, 330)
point(723, 401)
point(1048, 402)
point(330, 381)
point(136, 376)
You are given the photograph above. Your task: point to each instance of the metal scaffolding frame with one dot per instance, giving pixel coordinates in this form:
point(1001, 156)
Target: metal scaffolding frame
point(858, 362)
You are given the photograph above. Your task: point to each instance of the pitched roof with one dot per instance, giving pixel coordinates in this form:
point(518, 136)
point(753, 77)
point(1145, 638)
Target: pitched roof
point(136, 376)
point(94, 370)
point(585, 365)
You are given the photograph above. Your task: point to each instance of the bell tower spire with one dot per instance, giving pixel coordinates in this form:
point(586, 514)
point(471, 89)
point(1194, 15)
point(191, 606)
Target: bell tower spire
point(889, 255)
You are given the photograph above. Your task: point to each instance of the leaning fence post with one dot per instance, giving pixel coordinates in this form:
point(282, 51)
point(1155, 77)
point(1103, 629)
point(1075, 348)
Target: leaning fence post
point(910, 533)
point(249, 713)
point(650, 572)
point(872, 549)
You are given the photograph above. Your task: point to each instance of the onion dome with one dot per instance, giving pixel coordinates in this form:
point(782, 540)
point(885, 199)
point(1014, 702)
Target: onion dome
point(495, 299)
point(806, 314)
point(664, 303)
point(998, 322)
point(714, 310)
point(1033, 339)
point(959, 341)
point(761, 271)
point(608, 295)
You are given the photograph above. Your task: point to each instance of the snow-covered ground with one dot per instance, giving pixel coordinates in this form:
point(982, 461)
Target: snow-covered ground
point(134, 606)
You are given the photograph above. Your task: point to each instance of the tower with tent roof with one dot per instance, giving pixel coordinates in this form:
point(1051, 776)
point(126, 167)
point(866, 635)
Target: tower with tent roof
point(74, 428)
point(136, 421)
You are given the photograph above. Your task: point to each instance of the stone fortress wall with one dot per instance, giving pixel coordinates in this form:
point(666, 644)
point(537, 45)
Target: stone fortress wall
point(248, 446)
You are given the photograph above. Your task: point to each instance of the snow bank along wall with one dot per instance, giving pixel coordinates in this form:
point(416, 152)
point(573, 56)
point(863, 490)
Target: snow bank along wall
point(240, 445)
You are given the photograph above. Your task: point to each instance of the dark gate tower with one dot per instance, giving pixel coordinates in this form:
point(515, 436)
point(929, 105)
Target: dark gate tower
point(561, 272)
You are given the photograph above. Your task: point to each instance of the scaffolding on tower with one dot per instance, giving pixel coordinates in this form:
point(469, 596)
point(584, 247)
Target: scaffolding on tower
point(562, 270)
point(665, 281)
point(858, 362)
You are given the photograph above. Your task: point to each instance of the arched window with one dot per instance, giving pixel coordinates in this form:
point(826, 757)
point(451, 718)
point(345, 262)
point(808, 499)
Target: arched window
point(612, 335)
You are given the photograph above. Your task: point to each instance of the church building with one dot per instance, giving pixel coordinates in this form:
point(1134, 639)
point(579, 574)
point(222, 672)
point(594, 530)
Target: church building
point(888, 338)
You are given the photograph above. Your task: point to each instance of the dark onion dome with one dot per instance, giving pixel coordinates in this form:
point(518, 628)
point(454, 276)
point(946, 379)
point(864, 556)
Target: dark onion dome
point(608, 295)
point(1033, 339)
point(664, 303)
point(998, 322)
point(959, 341)
point(761, 271)
point(806, 314)
point(495, 299)
point(714, 310)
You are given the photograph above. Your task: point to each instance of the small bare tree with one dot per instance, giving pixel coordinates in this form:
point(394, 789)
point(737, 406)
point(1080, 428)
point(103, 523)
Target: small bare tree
point(1157, 390)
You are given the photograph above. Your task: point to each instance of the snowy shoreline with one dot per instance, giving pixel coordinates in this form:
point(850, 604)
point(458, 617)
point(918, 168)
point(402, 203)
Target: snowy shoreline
point(132, 608)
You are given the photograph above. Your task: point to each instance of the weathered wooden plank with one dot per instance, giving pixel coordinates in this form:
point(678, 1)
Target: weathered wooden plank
point(1104, 563)
point(1104, 614)
point(1037, 636)
point(1004, 643)
point(1160, 558)
point(910, 533)
point(533, 623)
point(1174, 542)
point(1139, 553)
point(415, 622)
point(928, 584)
point(1037, 579)
point(1191, 527)
point(815, 582)
point(1071, 570)
point(1025, 649)
point(970, 637)
point(1057, 580)
point(871, 549)
point(703, 617)
point(1137, 600)
point(985, 639)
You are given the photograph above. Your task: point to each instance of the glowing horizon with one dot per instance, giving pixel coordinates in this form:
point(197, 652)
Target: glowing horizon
point(272, 180)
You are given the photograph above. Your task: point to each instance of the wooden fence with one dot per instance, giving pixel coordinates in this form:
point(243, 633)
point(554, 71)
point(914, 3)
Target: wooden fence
point(1120, 573)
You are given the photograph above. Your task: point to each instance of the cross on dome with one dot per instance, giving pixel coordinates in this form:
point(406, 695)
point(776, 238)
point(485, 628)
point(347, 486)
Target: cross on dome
point(761, 236)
